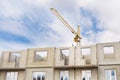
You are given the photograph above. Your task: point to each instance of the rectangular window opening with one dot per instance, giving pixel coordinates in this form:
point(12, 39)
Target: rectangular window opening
point(15, 57)
point(40, 56)
point(64, 75)
point(11, 75)
point(86, 51)
point(65, 56)
point(86, 75)
point(39, 76)
point(110, 75)
point(108, 50)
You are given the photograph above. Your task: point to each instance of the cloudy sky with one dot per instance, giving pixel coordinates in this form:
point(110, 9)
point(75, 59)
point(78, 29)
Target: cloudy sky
point(30, 23)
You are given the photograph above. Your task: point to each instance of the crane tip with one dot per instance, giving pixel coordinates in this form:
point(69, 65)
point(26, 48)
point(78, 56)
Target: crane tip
point(51, 8)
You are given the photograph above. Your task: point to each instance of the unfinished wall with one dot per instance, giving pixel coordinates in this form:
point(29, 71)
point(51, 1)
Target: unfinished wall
point(85, 55)
point(76, 61)
point(76, 74)
point(49, 59)
point(108, 53)
point(48, 76)
point(101, 71)
point(21, 75)
point(13, 63)
point(64, 56)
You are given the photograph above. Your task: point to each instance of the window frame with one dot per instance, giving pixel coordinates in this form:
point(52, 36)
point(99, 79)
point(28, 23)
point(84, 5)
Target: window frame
point(14, 74)
point(115, 74)
point(86, 74)
point(40, 75)
point(64, 75)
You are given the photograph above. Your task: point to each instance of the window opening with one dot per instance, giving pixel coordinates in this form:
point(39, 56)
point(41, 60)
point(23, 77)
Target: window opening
point(110, 75)
point(15, 57)
point(40, 55)
point(11, 75)
point(39, 76)
point(64, 75)
point(86, 51)
point(65, 56)
point(86, 74)
point(108, 50)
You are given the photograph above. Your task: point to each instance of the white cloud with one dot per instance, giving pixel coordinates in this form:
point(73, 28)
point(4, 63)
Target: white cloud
point(105, 11)
point(14, 27)
point(107, 36)
point(9, 9)
point(63, 35)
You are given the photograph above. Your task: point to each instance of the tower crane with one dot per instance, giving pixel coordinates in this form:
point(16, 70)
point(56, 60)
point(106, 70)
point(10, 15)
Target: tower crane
point(77, 37)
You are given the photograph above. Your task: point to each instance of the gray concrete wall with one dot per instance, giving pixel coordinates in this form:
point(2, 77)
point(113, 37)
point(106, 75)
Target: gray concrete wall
point(107, 59)
point(59, 62)
point(84, 60)
point(22, 61)
point(49, 73)
point(76, 74)
point(0, 60)
point(49, 61)
point(21, 75)
point(96, 61)
point(101, 71)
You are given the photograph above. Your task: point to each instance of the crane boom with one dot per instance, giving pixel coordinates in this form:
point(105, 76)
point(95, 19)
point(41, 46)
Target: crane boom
point(63, 21)
point(76, 33)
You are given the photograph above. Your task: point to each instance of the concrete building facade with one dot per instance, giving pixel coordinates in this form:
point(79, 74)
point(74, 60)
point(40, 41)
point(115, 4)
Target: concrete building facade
point(92, 62)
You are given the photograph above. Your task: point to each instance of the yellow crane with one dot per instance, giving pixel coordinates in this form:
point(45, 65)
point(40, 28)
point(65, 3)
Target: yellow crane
point(77, 37)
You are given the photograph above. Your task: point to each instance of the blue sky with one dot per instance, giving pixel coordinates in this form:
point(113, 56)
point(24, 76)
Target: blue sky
point(30, 23)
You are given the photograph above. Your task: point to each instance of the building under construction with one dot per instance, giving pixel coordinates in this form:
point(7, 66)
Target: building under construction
point(92, 62)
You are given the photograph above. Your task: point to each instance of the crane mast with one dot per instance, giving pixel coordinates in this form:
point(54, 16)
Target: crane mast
point(77, 34)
